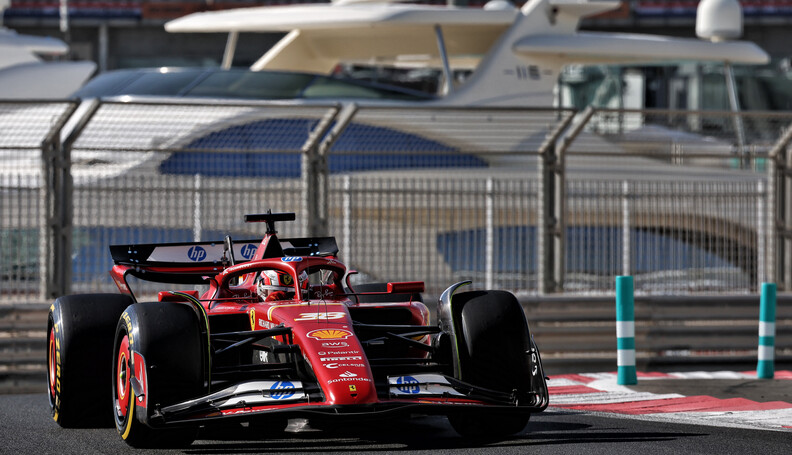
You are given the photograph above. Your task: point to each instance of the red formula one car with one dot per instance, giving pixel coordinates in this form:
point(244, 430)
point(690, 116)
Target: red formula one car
point(281, 333)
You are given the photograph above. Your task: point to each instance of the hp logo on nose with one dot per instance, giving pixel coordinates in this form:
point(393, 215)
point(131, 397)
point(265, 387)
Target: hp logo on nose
point(248, 250)
point(282, 390)
point(408, 384)
point(196, 254)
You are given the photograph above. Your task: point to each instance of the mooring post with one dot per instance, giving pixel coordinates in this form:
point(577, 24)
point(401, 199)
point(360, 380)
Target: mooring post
point(765, 368)
point(625, 331)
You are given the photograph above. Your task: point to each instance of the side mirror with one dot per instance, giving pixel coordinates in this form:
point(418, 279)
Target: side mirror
point(348, 283)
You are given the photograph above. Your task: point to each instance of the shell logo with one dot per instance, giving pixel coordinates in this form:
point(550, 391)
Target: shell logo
point(329, 334)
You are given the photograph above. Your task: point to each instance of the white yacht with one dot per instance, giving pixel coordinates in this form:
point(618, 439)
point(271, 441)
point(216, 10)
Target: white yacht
point(26, 74)
point(514, 56)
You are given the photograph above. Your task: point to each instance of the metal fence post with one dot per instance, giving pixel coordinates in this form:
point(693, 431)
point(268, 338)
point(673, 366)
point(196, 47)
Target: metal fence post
point(560, 205)
point(785, 195)
point(46, 225)
point(346, 229)
point(314, 176)
point(197, 226)
point(489, 269)
point(734, 103)
point(779, 216)
point(626, 230)
point(58, 202)
point(545, 222)
point(552, 203)
point(58, 209)
point(766, 254)
point(66, 202)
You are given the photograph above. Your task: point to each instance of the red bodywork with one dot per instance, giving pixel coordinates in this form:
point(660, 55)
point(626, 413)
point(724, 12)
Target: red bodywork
point(319, 319)
point(326, 351)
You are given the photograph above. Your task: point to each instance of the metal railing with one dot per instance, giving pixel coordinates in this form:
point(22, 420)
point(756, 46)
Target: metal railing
point(531, 200)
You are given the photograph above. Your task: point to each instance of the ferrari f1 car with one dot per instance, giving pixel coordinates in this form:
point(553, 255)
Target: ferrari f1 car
point(282, 333)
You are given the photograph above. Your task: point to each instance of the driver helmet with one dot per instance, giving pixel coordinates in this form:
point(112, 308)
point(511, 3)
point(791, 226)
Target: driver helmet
point(270, 281)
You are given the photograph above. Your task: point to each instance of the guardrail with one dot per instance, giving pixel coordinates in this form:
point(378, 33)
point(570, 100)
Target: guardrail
point(23, 347)
point(671, 332)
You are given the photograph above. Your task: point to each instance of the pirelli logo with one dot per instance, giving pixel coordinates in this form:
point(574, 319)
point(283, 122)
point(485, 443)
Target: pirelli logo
point(338, 359)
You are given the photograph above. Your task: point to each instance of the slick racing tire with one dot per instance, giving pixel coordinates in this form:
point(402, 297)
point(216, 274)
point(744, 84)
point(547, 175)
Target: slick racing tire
point(494, 345)
point(80, 331)
point(159, 361)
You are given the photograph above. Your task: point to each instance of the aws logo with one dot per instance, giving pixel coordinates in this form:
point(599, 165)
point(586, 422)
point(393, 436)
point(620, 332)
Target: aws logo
point(196, 253)
point(248, 251)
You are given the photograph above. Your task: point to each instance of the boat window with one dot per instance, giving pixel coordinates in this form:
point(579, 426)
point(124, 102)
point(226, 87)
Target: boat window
point(106, 84)
point(238, 84)
point(326, 87)
point(164, 84)
point(257, 85)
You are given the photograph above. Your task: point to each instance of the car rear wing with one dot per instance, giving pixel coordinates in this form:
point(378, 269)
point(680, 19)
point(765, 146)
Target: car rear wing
point(202, 255)
point(194, 262)
point(182, 255)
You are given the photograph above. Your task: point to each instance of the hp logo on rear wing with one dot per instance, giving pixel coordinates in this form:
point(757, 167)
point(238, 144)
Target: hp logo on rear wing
point(248, 251)
point(196, 253)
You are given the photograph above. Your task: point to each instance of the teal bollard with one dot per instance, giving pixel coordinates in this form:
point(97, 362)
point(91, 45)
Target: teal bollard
point(765, 368)
point(625, 331)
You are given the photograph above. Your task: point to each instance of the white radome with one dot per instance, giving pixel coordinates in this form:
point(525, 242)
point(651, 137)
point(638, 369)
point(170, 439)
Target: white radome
point(719, 20)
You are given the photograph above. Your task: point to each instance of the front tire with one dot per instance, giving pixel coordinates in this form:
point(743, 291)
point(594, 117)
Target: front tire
point(494, 346)
point(159, 361)
point(80, 332)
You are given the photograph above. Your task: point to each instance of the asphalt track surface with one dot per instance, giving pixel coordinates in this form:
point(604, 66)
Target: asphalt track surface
point(26, 427)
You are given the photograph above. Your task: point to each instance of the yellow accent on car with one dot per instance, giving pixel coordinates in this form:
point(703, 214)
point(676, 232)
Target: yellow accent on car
point(130, 415)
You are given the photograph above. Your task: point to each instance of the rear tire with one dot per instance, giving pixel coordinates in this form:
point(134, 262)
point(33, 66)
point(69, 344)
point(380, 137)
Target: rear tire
point(166, 337)
point(494, 346)
point(80, 331)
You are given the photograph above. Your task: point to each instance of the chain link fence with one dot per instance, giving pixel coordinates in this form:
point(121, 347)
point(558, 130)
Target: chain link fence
point(29, 137)
point(528, 200)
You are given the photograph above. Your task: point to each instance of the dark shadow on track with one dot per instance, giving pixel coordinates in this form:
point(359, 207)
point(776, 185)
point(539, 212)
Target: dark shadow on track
point(418, 434)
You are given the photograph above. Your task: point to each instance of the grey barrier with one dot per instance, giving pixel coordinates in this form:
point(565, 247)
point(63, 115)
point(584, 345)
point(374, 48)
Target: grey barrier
point(537, 201)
